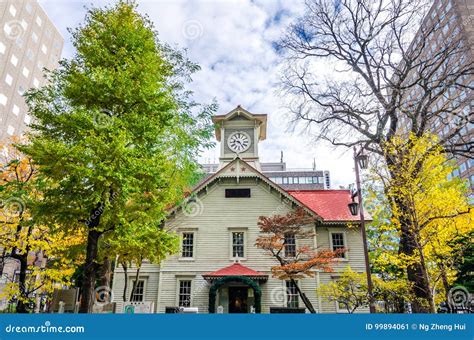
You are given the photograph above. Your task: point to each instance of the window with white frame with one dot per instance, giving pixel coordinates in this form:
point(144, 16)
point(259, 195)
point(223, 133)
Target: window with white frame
point(9, 79)
point(15, 110)
point(290, 245)
point(10, 130)
point(187, 248)
point(12, 10)
point(39, 21)
point(3, 48)
point(238, 249)
point(27, 119)
point(25, 72)
point(337, 243)
point(3, 99)
point(292, 295)
point(184, 297)
point(139, 292)
point(14, 60)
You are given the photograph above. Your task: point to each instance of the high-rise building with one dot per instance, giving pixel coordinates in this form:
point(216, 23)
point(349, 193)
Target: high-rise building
point(287, 178)
point(29, 42)
point(447, 21)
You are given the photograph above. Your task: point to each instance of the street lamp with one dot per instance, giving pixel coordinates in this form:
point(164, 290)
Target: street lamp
point(354, 208)
point(361, 159)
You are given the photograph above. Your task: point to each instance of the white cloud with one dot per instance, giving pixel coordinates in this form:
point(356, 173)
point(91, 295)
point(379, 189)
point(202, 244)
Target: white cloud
point(233, 43)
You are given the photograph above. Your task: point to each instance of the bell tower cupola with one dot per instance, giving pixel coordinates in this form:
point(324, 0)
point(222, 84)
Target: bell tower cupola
point(239, 132)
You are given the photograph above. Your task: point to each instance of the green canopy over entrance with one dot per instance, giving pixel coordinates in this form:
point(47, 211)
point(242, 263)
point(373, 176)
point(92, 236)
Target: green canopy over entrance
point(243, 279)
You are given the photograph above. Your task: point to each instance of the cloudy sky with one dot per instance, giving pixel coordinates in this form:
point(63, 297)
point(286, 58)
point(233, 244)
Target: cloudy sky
point(234, 43)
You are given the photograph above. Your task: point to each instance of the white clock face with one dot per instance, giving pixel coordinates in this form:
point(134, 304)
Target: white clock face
point(238, 142)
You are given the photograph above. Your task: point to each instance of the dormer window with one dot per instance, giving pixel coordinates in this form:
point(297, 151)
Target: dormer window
point(237, 193)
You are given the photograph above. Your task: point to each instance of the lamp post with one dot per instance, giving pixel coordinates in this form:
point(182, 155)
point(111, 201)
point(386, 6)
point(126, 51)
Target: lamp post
point(360, 159)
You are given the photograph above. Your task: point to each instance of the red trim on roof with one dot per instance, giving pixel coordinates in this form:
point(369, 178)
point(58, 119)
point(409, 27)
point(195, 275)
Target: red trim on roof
point(236, 269)
point(331, 205)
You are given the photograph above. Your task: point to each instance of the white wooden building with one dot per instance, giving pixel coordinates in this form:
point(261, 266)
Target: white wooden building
point(219, 269)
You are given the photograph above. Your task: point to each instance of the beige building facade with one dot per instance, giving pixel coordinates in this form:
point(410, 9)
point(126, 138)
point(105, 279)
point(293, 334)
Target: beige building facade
point(219, 269)
point(451, 20)
point(29, 42)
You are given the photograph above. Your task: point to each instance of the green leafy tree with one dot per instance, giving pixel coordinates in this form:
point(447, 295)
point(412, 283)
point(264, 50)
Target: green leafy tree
point(133, 245)
point(115, 132)
point(349, 290)
point(464, 261)
point(436, 213)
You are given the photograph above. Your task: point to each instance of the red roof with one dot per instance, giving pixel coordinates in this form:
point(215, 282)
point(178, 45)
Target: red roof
point(236, 269)
point(331, 205)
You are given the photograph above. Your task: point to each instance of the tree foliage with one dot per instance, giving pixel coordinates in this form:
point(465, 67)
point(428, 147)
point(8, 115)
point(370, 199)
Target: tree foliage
point(45, 256)
point(436, 215)
point(387, 79)
point(350, 291)
point(275, 231)
point(115, 132)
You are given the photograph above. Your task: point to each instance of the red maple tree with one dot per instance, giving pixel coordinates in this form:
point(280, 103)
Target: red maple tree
point(294, 262)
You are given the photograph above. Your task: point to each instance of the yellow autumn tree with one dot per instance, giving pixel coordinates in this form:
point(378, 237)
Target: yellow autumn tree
point(350, 291)
point(436, 212)
point(42, 257)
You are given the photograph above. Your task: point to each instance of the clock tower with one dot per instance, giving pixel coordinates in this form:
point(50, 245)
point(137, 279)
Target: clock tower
point(239, 132)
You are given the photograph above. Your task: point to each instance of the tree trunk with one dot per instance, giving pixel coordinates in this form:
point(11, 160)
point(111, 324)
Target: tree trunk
point(444, 279)
point(135, 282)
point(106, 273)
point(426, 281)
point(90, 268)
point(125, 286)
point(414, 271)
point(304, 298)
point(21, 306)
point(407, 245)
point(2, 261)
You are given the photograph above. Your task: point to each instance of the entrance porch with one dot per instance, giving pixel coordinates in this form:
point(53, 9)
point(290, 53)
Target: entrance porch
point(235, 289)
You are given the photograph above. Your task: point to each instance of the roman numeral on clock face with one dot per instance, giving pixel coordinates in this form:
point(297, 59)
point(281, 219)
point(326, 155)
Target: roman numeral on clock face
point(239, 142)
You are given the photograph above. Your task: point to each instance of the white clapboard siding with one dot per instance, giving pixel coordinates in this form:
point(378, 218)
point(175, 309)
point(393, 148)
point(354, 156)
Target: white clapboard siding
point(217, 217)
point(150, 275)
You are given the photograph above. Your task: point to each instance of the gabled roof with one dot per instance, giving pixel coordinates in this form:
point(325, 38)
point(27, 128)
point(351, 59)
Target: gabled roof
point(331, 205)
point(325, 205)
point(239, 168)
point(236, 269)
point(239, 111)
